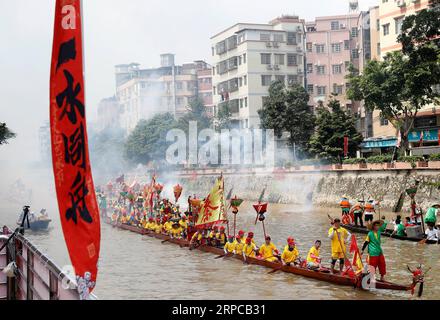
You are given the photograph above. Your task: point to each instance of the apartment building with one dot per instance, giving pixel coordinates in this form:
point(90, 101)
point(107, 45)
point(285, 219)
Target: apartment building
point(204, 85)
point(248, 57)
point(332, 45)
point(109, 111)
point(143, 93)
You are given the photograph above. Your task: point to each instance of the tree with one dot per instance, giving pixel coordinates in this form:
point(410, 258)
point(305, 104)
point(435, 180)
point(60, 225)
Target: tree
point(403, 83)
point(332, 125)
point(196, 112)
point(223, 117)
point(147, 142)
point(287, 110)
point(5, 133)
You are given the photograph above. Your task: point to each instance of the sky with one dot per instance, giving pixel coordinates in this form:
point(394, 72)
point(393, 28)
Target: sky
point(115, 32)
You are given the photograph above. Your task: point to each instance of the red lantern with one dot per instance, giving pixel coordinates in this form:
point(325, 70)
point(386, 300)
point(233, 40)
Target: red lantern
point(177, 191)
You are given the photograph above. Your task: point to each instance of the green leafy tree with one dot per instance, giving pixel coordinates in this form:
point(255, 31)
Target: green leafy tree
point(196, 112)
point(5, 133)
point(223, 117)
point(287, 110)
point(332, 125)
point(403, 83)
point(147, 142)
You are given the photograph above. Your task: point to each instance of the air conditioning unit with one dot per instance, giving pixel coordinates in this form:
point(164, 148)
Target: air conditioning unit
point(276, 67)
point(268, 44)
point(276, 44)
point(400, 3)
point(342, 26)
point(269, 67)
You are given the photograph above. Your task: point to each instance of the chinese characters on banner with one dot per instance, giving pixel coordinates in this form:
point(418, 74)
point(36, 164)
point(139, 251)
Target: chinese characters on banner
point(73, 177)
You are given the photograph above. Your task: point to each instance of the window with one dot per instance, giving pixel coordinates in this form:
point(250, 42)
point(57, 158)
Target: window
point(179, 85)
point(245, 102)
point(241, 103)
point(346, 45)
point(244, 57)
point(265, 58)
point(320, 48)
point(220, 47)
point(240, 82)
point(337, 89)
point(264, 36)
point(279, 37)
point(377, 25)
point(292, 59)
point(335, 25)
point(279, 59)
point(179, 100)
point(266, 80)
point(212, 51)
point(310, 89)
point(398, 25)
point(386, 29)
point(354, 32)
point(347, 65)
point(280, 78)
point(383, 121)
point(321, 90)
point(309, 47)
point(355, 54)
point(320, 69)
point(309, 68)
point(378, 49)
point(239, 60)
point(245, 80)
point(292, 79)
point(336, 47)
point(291, 37)
point(337, 68)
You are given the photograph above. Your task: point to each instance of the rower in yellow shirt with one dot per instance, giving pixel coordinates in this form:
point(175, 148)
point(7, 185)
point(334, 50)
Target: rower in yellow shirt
point(313, 259)
point(249, 249)
point(230, 245)
point(238, 243)
point(290, 253)
point(176, 231)
point(221, 237)
point(268, 251)
point(183, 222)
point(158, 227)
point(212, 236)
point(168, 226)
point(338, 237)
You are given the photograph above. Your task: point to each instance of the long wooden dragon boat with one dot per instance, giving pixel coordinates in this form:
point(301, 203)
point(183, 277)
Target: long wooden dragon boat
point(323, 275)
point(387, 233)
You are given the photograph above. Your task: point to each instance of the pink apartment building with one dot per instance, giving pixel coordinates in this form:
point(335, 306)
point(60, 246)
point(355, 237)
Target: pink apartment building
point(332, 44)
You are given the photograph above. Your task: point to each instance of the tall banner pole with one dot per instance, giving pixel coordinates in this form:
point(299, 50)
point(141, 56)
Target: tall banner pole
point(79, 213)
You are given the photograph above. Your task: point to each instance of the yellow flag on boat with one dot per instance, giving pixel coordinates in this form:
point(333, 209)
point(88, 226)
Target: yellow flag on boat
point(213, 208)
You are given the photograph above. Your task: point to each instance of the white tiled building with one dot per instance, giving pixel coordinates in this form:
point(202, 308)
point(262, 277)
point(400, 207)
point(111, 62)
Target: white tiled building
point(247, 57)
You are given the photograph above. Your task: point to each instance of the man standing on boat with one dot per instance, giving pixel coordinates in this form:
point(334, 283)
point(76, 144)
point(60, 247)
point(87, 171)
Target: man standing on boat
point(345, 207)
point(376, 258)
point(369, 212)
point(431, 214)
point(338, 237)
point(358, 211)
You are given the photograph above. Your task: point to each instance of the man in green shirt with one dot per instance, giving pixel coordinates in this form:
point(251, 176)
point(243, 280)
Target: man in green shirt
point(431, 214)
point(376, 258)
point(399, 227)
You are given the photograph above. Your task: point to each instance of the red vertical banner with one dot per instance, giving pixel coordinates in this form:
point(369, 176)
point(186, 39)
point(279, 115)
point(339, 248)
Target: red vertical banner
point(345, 146)
point(77, 204)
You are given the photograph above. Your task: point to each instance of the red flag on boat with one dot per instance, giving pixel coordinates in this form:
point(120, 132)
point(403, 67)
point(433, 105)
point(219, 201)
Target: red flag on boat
point(357, 260)
point(70, 156)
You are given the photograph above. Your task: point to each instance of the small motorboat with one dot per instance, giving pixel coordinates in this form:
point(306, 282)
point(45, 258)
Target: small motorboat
point(33, 222)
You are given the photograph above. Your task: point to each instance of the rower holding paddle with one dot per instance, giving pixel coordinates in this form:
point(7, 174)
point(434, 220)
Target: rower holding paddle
point(338, 236)
point(249, 249)
point(313, 259)
point(376, 259)
point(268, 251)
point(290, 253)
point(229, 246)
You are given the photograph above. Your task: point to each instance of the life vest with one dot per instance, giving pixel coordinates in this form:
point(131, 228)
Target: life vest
point(345, 203)
point(369, 207)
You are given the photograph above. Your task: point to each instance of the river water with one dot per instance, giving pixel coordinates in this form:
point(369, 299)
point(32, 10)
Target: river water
point(138, 267)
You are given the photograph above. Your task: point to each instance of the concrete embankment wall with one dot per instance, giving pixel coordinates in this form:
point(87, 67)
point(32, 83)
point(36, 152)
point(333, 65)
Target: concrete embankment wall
point(323, 188)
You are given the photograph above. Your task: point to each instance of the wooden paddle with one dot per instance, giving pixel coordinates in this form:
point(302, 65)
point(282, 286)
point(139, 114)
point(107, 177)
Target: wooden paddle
point(166, 240)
